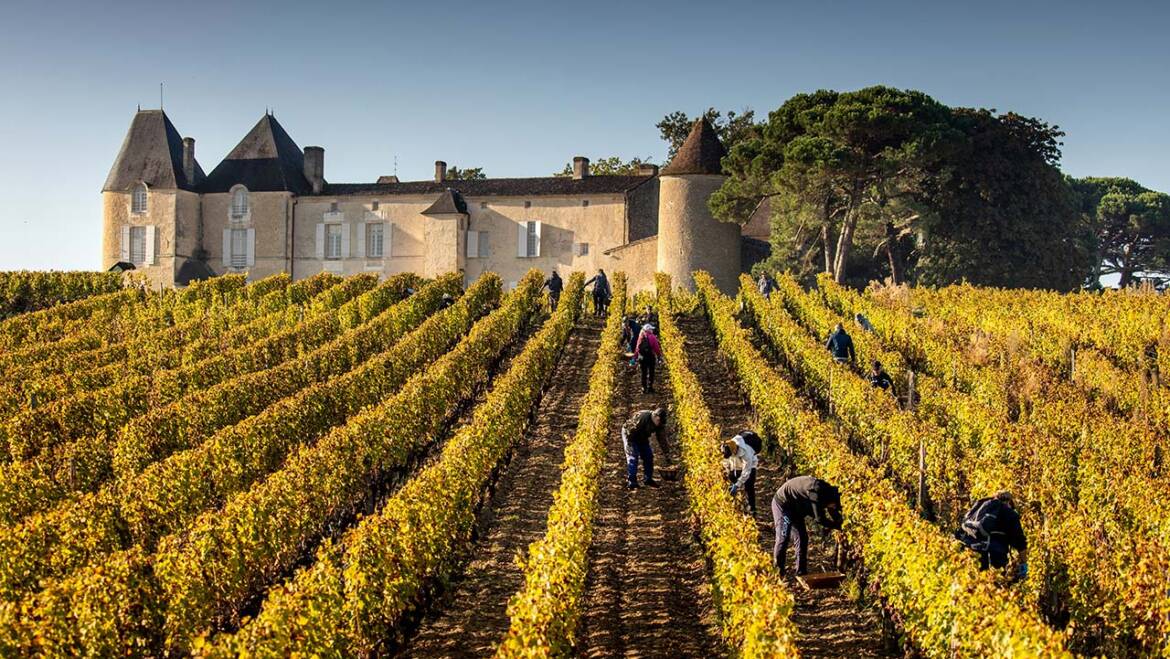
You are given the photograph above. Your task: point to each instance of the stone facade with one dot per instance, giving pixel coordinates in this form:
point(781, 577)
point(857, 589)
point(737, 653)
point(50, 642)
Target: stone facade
point(267, 208)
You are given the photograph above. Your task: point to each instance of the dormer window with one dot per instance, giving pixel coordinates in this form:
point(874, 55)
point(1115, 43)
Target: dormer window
point(138, 199)
point(333, 207)
point(239, 202)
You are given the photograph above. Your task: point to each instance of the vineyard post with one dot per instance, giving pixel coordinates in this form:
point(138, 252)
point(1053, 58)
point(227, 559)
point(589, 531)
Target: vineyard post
point(1072, 368)
point(910, 405)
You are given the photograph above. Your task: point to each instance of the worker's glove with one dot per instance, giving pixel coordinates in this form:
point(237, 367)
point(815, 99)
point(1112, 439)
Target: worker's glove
point(1022, 572)
point(734, 489)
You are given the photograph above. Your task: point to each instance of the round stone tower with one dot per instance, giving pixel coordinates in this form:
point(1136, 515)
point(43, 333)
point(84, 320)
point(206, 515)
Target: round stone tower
point(689, 237)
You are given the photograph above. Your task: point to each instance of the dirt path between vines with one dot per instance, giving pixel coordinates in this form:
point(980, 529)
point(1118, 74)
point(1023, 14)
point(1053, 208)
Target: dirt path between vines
point(472, 617)
point(647, 592)
point(830, 624)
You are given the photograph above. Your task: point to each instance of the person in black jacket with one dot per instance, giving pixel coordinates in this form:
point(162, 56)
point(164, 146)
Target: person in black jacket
point(636, 442)
point(797, 499)
point(555, 285)
point(840, 344)
point(601, 292)
point(446, 301)
point(991, 528)
point(879, 378)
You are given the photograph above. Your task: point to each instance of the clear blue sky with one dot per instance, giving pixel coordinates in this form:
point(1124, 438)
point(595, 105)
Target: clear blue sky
point(520, 88)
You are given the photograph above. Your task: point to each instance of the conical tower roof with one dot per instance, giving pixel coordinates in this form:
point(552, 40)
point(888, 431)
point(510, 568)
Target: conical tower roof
point(152, 153)
point(701, 153)
point(448, 203)
point(266, 160)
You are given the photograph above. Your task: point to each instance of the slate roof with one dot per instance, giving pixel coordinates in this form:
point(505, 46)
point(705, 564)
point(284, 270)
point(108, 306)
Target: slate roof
point(448, 203)
point(266, 160)
point(193, 270)
point(701, 152)
point(496, 187)
point(152, 153)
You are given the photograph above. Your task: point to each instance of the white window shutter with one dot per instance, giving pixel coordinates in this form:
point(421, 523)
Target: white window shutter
point(227, 247)
point(125, 244)
point(320, 245)
point(250, 247)
point(537, 238)
point(150, 237)
point(472, 244)
point(344, 241)
point(361, 239)
point(522, 242)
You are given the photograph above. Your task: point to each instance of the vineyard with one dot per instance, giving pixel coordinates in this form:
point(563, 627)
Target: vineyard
point(408, 467)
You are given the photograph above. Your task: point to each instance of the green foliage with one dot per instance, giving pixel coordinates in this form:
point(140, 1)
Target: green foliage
point(1131, 225)
point(731, 128)
point(468, 174)
point(886, 182)
point(611, 166)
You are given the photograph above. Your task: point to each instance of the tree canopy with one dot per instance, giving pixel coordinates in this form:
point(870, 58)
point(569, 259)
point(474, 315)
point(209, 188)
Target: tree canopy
point(468, 174)
point(1131, 227)
point(731, 127)
point(611, 166)
point(883, 182)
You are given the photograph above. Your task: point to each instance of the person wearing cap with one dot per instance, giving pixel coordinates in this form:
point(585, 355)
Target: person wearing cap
point(636, 442)
point(740, 461)
point(555, 285)
point(991, 529)
point(879, 378)
point(798, 498)
point(648, 351)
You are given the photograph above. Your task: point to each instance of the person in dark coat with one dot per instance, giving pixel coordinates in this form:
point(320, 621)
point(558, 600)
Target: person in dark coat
point(555, 285)
point(630, 335)
point(649, 317)
point(446, 301)
point(840, 344)
point(601, 292)
point(879, 378)
point(636, 442)
point(797, 499)
point(991, 529)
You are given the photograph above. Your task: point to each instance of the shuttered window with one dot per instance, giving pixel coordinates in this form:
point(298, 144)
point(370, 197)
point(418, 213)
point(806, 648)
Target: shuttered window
point(528, 244)
point(138, 245)
point(239, 255)
point(333, 241)
point(239, 203)
point(375, 239)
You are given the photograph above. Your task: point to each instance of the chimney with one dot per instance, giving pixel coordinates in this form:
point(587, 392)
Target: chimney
point(646, 169)
point(440, 171)
point(189, 160)
point(315, 168)
point(580, 167)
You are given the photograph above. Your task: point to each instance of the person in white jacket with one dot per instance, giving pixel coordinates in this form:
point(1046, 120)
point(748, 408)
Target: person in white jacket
point(741, 460)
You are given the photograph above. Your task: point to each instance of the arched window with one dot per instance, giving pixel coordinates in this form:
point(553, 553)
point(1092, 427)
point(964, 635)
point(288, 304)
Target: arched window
point(239, 202)
point(138, 199)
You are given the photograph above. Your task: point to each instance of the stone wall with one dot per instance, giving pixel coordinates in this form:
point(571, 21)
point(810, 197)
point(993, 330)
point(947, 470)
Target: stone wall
point(690, 239)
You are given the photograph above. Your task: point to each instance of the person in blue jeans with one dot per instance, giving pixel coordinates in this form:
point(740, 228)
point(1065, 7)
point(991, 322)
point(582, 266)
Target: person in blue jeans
point(798, 498)
point(636, 442)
